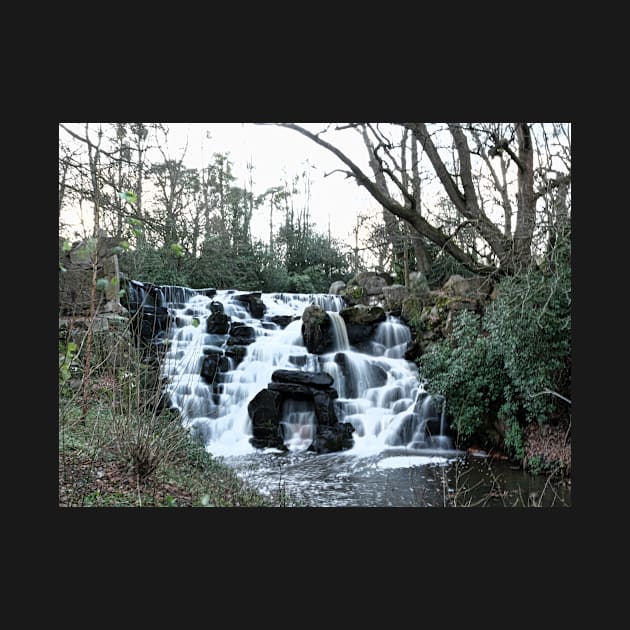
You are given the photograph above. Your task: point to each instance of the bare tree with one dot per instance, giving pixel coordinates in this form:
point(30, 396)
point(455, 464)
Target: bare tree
point(406, 211)
point(512, 144)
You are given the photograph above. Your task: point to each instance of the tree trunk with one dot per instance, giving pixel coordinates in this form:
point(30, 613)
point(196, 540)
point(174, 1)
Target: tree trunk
point(392, 231)
point(526, 216)
point(466, 202)
point(422, 260)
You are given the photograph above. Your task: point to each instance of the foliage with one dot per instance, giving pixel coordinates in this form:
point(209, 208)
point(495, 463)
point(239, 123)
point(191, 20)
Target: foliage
point(497, 368)
point(67, 354)
point(442, 266)
point(467, 370)
point(127, 450)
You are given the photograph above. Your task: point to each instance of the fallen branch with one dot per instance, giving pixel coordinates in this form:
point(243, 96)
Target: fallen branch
point(548, 391)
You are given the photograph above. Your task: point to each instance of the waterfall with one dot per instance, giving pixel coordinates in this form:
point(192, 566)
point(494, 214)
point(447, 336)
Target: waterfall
point(340, 334)
point(211, 378)
point(298, 424)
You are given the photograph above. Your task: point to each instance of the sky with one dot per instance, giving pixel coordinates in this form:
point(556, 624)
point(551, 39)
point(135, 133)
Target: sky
point(279, 153)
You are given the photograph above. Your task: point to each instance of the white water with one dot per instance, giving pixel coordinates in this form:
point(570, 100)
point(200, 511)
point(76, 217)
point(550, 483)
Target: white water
point(380, 393)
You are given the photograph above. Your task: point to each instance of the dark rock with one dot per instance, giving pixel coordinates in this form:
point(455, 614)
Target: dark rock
point(264, 411)
point(363, 315)
point(359, 335)
point(252, 302)
point(314, 388)
point(291, 390)
point(240, 334)
point(316, 330)
point(329, 439)
point(218, 323)
point(213, 363)
point(325, 408)
point(283, 320)
point(413, 350)
point(216, 307)
point(264, 407)
point(236, 353)
point(318, 380)
point(299, 360)
point(361, 322)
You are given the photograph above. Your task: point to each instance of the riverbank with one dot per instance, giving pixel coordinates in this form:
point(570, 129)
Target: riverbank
point(93, 472)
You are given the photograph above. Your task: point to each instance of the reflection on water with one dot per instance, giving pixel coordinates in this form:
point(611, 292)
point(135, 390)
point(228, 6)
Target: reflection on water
point(397, 478)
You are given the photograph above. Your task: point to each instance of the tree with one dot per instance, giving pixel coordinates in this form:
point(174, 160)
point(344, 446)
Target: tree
point(507, 251)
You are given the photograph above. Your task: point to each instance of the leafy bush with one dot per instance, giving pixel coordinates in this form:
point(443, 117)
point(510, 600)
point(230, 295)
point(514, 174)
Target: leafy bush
point(500, 372)
point(466, 369)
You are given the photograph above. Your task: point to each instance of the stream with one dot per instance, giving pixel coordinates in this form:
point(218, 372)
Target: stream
point(402, 454)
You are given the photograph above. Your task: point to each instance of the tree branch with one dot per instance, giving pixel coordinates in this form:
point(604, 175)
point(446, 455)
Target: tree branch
point(417, 221)
point(339, 170)
point(548, 391)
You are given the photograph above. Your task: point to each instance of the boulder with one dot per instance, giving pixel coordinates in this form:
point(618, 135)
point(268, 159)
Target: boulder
point(393, 297)
point(283, 320)
point(325, 408)
point(216, 308)
point(418, 283)
point(361, 322)
point(264, 412)
point(372, 282)
point(241, 335)
point(363, 315)
point(329, 439)
point(212, 363)
point(316, 330)
point(291, 390)
point(318, 380)
point(218, 323)
point(236, 353)
point(476, 287)
point(252, 302)
point(336, 288)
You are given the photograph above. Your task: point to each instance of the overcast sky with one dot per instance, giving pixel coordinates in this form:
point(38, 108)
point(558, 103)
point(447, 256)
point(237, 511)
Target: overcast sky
point(278, 154)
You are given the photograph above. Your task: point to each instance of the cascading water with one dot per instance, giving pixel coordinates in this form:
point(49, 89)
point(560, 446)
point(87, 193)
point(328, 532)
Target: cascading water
point(380, 393)
point(213, 370)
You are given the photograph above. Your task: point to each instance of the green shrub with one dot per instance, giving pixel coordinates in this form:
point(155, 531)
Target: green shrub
point(465, 369)
point(500, 369)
